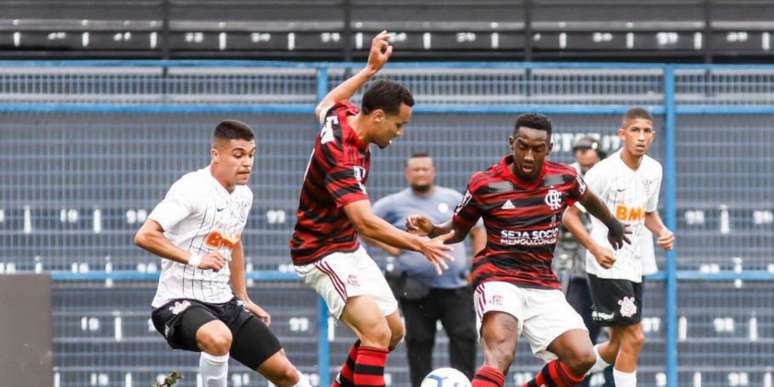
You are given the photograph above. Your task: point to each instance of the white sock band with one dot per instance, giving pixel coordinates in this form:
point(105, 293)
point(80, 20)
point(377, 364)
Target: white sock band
point(625, 379)
point(600, 364)
point(214, 369)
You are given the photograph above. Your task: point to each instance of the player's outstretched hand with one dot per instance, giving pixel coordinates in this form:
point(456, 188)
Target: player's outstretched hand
point(665, 239)
point(436, 251)
point(258, 312)
point(604, 256)
point(380, 51)
point(618, 234)
point(419, 225)
point(212, 261)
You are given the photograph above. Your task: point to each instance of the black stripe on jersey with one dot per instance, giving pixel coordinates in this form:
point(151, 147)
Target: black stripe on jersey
point(328, 154)
point(319, 219)
point(518, 203)
point(301, 228)
point(496, 187)
point(346, 190)
point(550, 180)
point(509, 262)
point(338, 131)
point(516, 221)
point(341, 175)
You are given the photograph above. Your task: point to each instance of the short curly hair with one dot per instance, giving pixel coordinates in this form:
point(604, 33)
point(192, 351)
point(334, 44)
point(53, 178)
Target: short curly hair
point(533, 121)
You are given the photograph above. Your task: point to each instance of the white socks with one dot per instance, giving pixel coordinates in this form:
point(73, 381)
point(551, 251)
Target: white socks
point(302, 381)
point(623, 379)
point(214, 370)
point(600, 365)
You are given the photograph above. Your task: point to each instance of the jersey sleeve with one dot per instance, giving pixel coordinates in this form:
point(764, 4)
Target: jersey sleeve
point(468, 211)
point(596, 181)
point(343, 178)
point(652, 204)
point(577, 188)
point(176, 206)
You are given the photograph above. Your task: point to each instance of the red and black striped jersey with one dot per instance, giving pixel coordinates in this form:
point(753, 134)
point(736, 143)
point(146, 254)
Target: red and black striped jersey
point(336, 176)
point(522, 221)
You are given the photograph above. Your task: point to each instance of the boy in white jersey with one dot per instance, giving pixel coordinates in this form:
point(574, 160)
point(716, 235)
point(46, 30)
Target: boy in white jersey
point(202, 303)
point(628, 182)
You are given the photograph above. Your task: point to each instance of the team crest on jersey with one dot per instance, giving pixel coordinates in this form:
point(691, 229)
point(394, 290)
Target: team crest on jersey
point(554, 199)
point(628, 308)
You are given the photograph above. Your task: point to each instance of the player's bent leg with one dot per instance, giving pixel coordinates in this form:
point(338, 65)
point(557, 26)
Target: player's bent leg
point(367, 320)
point(278, 370)
point(632, 340)
point(214, 339)
point(499, 336)
point(575, 356)
point(257, 347)
point(363, 315)
point(574, 349)
point(397, 330)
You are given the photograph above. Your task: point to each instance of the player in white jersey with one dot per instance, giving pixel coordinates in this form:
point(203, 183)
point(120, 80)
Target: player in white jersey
point(202, 303)
point(628, 182)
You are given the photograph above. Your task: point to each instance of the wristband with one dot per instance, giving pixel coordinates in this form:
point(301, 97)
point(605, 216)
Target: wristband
point(194, 260)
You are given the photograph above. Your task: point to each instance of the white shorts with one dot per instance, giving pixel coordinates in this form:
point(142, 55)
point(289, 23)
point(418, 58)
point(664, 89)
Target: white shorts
point(339, 276)
point(542, 314)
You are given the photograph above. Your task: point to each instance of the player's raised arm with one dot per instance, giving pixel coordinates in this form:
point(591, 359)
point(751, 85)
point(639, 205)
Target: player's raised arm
point(373, 227)
point(616, 231)
point(380, 53)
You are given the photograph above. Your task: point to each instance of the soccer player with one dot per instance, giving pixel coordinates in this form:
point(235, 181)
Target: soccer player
point(202, 303)
point(629, 182)
point(334, 208)
point(521, 200)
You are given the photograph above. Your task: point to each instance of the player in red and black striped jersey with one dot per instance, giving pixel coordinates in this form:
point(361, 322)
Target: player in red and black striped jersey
point(521, 200)
point(334, 208)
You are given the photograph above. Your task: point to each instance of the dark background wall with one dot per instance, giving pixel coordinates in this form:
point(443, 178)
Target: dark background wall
point(624, 30)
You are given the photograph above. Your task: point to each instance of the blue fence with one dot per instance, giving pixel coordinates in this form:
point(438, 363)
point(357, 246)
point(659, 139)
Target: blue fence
point(90, 146)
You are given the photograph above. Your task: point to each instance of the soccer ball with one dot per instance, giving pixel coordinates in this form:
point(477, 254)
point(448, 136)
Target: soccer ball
point(445, 377)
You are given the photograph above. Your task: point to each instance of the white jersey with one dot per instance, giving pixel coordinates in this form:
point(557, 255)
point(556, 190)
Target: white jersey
point(196, 207)
point(629, 195)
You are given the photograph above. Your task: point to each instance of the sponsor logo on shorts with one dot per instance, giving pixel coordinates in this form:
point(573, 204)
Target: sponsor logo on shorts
point(179, 307)
point(496, 300)
point(628, 307)
point(352, 280)
point(602, 316)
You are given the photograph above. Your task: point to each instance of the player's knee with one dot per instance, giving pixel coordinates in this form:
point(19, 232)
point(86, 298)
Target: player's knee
point(288, 376)
point(398, 333)
point(635, 337)
point(581, 360)
point(377, 335)
point(215, 342)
